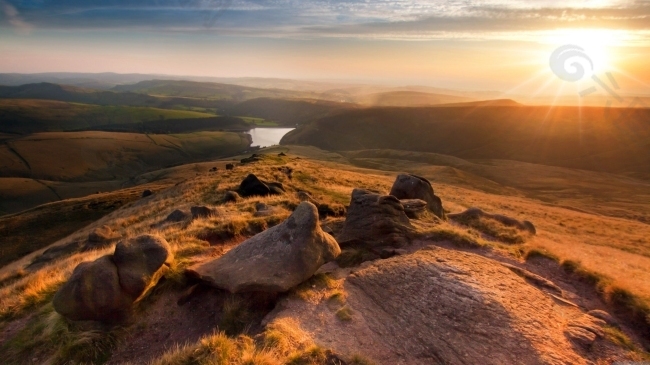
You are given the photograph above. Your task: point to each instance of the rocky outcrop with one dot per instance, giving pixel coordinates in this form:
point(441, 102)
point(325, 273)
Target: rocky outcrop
point(414, 208)
point(275, 260)
point(439, 306)
point(416, 187)
point(105, 289)
point(101, 237)
point(231, 197)
point(253, 186)
point(375, 220)
point(138, 261)
point(476, 213)
point(178, 216)
point(202, 212)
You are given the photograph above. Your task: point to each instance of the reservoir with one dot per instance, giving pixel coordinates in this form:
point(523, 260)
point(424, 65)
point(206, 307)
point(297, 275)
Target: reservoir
point(265, 137)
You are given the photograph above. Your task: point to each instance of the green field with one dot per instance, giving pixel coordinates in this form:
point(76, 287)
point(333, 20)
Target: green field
point(30, 116)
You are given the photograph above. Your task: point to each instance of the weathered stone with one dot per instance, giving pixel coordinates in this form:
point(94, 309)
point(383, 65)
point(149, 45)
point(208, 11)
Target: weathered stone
point(375, 220)
point(202, 212)
point(147, 193)
point(139, 262)
point(476, 213)
point(416, 187)
point(178, 216)
point(580, 336)
point(93, 293)
point(275, 260)
point(253, 186)
point(231, 196)
point(601, 314)
point(414, 208)
point(230, 166)
point(101, 237)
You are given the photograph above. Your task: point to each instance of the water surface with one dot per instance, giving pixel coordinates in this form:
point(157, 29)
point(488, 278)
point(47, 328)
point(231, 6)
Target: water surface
point(265, 137)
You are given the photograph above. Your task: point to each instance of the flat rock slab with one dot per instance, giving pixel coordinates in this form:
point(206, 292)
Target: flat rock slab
point(275, 260)
point(439, 306)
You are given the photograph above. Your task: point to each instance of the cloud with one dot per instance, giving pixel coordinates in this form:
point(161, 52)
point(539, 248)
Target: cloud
point(12, 16)
point(380, 19)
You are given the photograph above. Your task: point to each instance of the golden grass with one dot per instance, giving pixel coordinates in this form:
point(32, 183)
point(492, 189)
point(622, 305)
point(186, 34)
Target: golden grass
point(283, 342)
point(611, 248)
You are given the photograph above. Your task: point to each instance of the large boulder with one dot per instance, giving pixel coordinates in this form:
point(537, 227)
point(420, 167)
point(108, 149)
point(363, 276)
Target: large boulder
point(105, 289)
point(275, 260)
point(139, 260)
point(416, 187)
point(101, 237)
point(93, 293)
point(253, 186)
point(375, 220)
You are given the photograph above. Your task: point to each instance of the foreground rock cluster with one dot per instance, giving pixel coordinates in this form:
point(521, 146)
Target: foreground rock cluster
point(105, 290)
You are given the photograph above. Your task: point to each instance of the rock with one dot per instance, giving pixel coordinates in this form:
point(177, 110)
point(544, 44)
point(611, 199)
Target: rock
point(375, 220)
point(105, 289)
point(589, 323)
point(202, 212)
point(263, 210)
point(147, 193)
point(254, 158)
point(439, 306)
point(93, 293)
point(275, 260)
point(178, 216)
point(230, 166)
point(139, 261)
point(101, 237)
point(414, 208)
point(580, 336)
point(602, 315)
point(214, 169)
point(231, 196)
point(276, 188)
point(476, 213)
point(253, 186)
point(416, 187)
point(282, 154)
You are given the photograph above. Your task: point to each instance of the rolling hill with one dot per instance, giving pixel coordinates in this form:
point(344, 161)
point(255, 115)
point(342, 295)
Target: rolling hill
point(25, 116)
point(597, 139)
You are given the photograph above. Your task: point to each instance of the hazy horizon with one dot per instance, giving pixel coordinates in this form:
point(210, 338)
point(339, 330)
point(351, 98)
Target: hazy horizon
point(476, 45)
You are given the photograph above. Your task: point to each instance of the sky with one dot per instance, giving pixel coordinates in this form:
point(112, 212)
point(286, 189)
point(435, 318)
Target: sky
point(502, 45)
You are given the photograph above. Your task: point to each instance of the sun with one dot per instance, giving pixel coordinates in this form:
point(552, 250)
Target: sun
point(597, 44)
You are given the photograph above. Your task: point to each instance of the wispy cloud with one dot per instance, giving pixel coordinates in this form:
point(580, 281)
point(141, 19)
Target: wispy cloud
point(382, 19)
point(12, 16)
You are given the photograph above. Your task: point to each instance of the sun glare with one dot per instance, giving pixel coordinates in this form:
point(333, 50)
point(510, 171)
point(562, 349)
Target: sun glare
point(597, 44)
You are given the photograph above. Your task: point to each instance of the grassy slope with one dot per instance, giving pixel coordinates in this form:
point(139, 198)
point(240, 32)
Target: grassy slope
point(206, 90)
point(42, 167)
point(29, 116)
point(570, 235)
point(587, 138)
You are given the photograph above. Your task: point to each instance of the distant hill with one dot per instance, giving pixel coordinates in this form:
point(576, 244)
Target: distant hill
point(597, 139)
point(407, 98)
point(482, 103)
point(207, 90)
point(25, 116)
point(75, 94)
point(287, 111)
